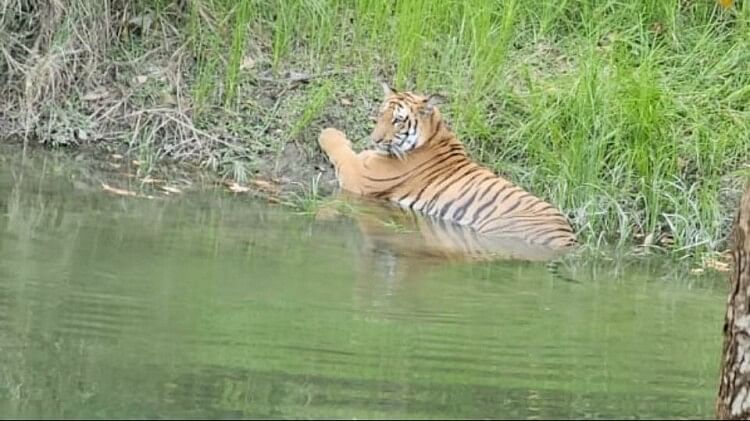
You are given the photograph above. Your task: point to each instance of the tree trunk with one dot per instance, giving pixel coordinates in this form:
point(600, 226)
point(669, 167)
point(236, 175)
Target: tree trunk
point(733, 401)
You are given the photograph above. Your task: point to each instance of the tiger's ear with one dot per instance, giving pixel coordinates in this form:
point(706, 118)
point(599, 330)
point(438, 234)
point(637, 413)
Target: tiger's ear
point(387, 90)
point(430, 102)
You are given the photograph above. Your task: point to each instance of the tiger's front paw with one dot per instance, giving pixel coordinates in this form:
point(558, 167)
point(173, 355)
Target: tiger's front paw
point(331, 138)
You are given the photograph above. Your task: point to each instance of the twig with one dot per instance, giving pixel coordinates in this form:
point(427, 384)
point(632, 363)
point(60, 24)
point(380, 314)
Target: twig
point(195, 131)
point(303, 77)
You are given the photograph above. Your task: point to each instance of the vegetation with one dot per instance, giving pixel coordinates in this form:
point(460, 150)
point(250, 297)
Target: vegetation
point(631, 115)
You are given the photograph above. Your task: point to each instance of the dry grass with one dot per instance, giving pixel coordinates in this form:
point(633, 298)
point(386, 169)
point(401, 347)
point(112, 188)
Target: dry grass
point(108, 73)
point(51, 51)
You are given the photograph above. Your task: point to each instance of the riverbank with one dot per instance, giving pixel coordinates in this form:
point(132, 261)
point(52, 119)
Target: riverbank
point(631, 117)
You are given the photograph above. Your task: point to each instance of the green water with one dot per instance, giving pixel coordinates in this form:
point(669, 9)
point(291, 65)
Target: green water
point(213, 305)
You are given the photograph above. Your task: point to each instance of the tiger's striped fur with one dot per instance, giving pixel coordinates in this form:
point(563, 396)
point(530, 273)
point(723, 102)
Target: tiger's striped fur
point(419, 164)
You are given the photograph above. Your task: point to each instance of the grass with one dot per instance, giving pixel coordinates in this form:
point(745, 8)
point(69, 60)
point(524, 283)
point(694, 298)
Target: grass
point(630, 115)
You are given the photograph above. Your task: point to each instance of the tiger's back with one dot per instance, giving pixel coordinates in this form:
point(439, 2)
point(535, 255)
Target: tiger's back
point(447, 184)
point(421, 165)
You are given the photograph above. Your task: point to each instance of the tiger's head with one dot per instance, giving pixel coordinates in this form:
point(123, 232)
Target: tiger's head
point(405, 122)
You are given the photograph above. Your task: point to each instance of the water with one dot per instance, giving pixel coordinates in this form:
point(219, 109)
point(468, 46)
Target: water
point(212, 305)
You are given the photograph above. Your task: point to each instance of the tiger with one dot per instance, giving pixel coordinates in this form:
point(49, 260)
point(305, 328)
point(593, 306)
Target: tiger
point(418, 163)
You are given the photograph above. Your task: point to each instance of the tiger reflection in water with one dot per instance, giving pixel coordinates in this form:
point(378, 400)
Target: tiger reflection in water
point(400, 245)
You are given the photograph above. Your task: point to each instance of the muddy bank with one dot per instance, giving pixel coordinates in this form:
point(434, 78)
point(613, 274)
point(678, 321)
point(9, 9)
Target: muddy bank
point(98, 168)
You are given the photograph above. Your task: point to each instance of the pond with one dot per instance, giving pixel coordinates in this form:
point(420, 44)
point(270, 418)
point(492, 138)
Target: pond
point(209, 304)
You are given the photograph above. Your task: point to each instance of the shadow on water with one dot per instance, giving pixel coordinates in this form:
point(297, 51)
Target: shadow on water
point(211, 305)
